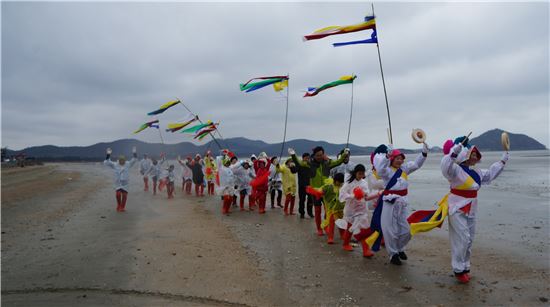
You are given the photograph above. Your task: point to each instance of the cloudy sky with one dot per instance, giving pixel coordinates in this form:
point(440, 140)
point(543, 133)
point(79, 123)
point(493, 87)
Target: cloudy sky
point(81, 73)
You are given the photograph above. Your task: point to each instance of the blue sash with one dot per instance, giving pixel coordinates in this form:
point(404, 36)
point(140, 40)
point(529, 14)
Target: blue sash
point(375, 224)
point(472, 174)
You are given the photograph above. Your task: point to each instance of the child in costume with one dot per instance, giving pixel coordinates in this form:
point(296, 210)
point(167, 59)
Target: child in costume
point(260, 183)
point(144, 166)
point(334, 208)
point(390, 166)
point(319, 170)
point(275, 183)
point(288, 176)
point(170, 181)
point(155, 172)
point(243, 176)
point(198, 175)
point(122, 176)
point(210, 170)
point(186, 175)
point(227, 183)
point(458, 167)
point(354, 193)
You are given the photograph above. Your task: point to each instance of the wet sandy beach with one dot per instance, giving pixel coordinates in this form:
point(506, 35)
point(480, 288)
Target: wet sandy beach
point(64, 244)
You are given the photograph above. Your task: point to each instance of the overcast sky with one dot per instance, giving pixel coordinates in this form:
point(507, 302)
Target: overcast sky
point(82, 73)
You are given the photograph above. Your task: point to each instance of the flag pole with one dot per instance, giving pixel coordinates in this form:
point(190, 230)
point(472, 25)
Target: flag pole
point(200, 121)
point(350, 114)
point(383, 82)
point(286, 121)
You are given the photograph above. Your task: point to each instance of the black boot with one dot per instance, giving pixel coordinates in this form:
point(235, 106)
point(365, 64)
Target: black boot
point(402, 256)
point(395, 260)
point(310, 211)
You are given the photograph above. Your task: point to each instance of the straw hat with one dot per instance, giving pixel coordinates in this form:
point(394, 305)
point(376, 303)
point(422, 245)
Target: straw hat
point(418, 135)
point(505, 139)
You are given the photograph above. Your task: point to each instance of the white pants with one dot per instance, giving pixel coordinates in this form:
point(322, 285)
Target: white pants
point(461, 234)
point(395, 228)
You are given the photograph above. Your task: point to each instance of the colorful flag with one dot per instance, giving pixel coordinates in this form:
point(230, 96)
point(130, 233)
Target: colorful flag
point(151, 124)
point(279, 82)
point(372, 40)
point(369, 23)
point(205, 131)
point(196, 128)
point(173, 127)
point(164, 107)
point(312, 91)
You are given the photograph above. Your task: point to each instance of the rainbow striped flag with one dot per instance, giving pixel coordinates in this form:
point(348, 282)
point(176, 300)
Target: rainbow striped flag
point(312, 91)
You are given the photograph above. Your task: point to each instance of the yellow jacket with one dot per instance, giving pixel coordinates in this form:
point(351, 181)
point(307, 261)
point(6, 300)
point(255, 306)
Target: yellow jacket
point(289, 179)
point(210, 168)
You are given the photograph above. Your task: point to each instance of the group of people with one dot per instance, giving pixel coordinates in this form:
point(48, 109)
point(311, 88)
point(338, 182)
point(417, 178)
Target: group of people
point(347, 192)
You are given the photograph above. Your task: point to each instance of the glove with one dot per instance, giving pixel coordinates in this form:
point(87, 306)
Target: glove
point(457, 149)
point(505, 157)
point(346, 151)
point(425, 148)
point(291, 151)
point(390, 149)
point(109, 151)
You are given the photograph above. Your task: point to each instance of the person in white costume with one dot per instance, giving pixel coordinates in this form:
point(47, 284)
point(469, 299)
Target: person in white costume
point(391, 166)
point(355, 193)
point(144, 166)
point(457, 166)
point(122, 176)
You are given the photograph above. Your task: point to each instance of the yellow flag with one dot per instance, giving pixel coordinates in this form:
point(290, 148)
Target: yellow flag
point(279, 86)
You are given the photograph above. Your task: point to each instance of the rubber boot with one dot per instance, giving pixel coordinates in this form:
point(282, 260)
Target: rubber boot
point(241, 202)
point(318, 220)
point(202, 189)
point(197, 187)
point(154, 188)
point(123, 202)
point(145, 184)
point(347, 237)
point(462, 278)
point(292, 201)
point(366, 249)
point(287, 202)
point(330, 230)
point(251, 203)
point(118, 200)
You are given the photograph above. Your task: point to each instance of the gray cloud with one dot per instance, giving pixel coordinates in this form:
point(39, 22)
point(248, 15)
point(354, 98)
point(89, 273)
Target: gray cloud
point(80, 73)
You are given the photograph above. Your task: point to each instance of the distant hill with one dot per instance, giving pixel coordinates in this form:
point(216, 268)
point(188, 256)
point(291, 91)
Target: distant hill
point(489, 140)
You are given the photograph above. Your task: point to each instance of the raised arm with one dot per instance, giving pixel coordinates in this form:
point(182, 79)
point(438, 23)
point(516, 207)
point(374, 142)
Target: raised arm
point(108, 161)
point(294, 158)
point(488, 175)
point(382, 166)
point(448, 162)
point(335, 163)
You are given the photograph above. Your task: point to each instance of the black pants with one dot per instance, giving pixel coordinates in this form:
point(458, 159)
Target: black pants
point(279, 197)
point(303, 196)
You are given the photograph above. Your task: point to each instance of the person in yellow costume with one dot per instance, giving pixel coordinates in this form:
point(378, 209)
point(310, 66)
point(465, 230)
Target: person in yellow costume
point(288, 172)
point(210, 171)
point(334, 208)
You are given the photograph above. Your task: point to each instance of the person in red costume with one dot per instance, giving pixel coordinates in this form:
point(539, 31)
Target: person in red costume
point(260, 183)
